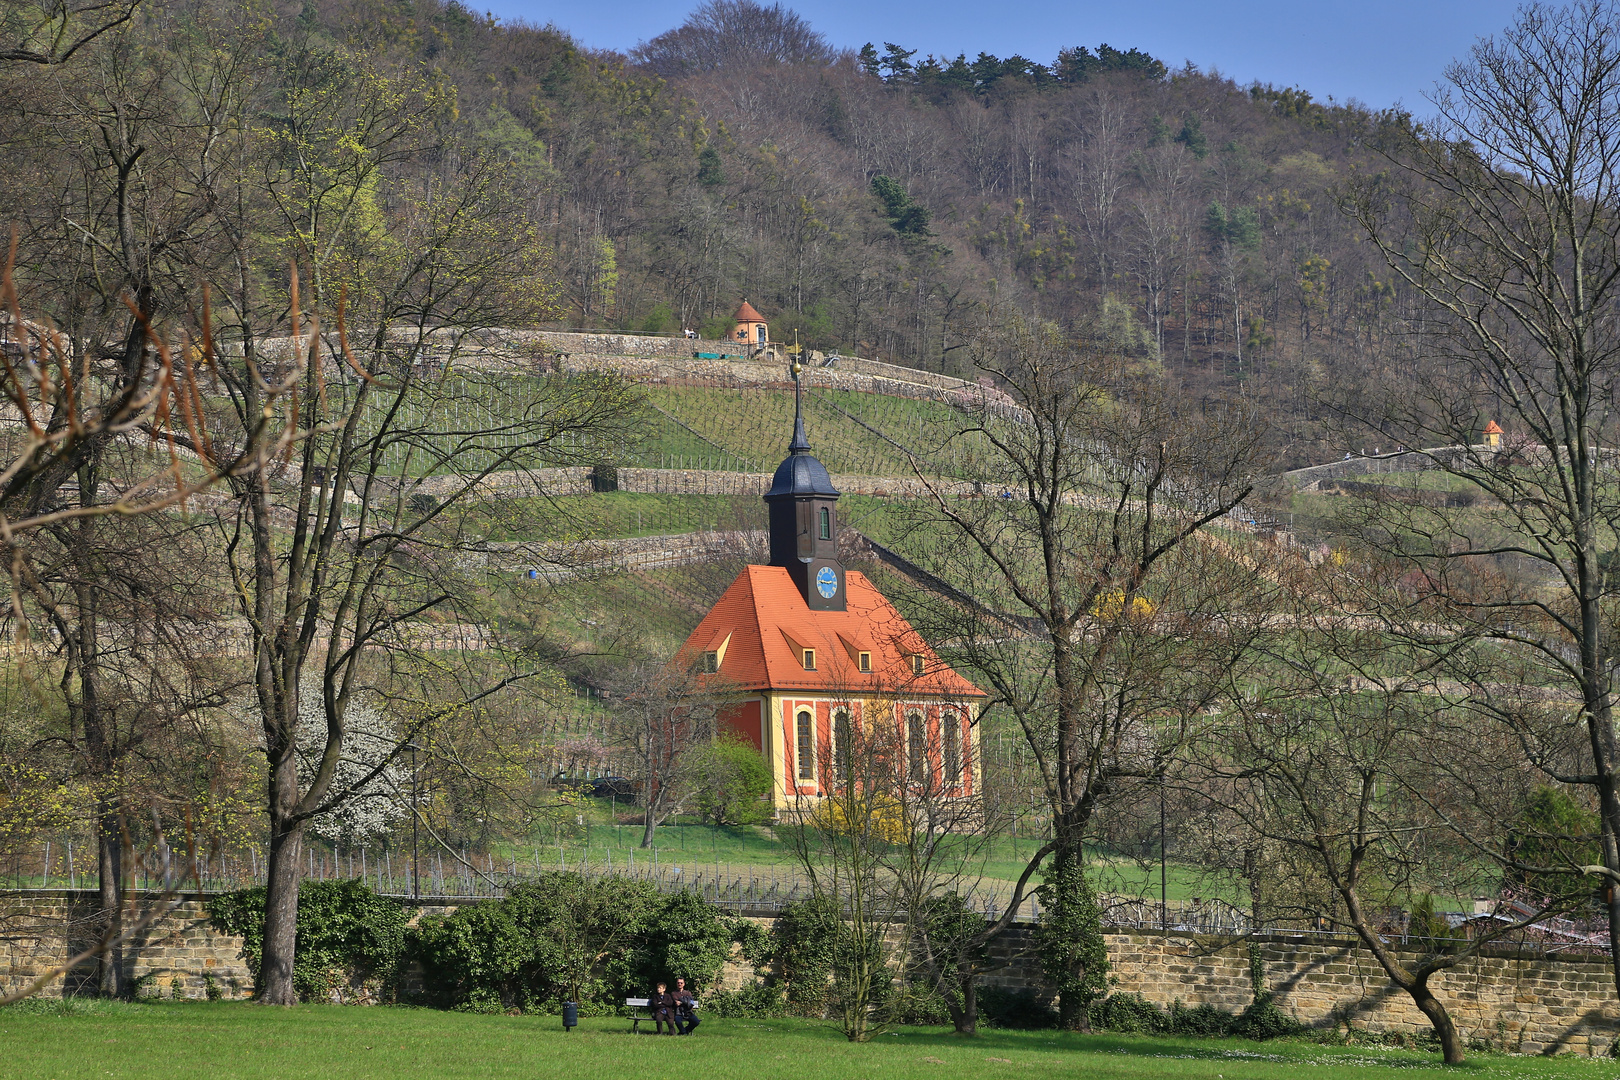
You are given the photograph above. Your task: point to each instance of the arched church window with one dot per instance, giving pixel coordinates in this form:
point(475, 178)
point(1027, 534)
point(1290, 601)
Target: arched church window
point(807, 746)
point(916, 740)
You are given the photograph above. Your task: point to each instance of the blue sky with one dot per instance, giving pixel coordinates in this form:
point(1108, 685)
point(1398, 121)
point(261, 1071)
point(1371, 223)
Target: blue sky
point(1377, 51)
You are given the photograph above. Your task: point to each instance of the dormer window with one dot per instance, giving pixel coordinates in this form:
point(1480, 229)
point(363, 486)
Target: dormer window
point(864, 661)
point(824, 523)
point(809, 659)
point(917, 664)
point(711, 662)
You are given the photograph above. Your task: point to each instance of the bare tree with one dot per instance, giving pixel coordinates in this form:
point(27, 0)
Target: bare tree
point(1086, 593)
point(664, 715)
point(842, 840)
point(1503, 218)
point(1351, 759)
point(349, 559)
point(52, 32)
point(722, 34)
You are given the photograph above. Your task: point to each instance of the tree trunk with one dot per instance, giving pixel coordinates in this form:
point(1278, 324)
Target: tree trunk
point(966, 1016)
point(285, 872)
point(1600, 728)
point(649, 825)
point(1450, 1042)
point(109, 865)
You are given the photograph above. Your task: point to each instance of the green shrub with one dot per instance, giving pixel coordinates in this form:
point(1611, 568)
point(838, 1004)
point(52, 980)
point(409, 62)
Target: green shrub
point(735, 781)
point(686, 938)
point(347, 935)
point(1069, 940)
point(1200, 1021)
point(806, 938)
point(918, 1001)
point(561, 937)
point(1130, 1013)
point(1263, 1020)
point(758, 1002)
point(564, 937)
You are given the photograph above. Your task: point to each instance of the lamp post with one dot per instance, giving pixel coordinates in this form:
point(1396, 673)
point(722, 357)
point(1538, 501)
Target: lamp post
point(1164, 893)
point(416, 790)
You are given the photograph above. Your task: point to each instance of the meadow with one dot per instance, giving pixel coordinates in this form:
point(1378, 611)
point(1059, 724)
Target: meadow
point(168, 1040)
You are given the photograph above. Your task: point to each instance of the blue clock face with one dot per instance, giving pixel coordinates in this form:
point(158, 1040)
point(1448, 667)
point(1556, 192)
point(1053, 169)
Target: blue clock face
point(827, 581)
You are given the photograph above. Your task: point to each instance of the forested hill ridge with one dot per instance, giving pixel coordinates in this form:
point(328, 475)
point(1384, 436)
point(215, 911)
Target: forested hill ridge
point(873, 201)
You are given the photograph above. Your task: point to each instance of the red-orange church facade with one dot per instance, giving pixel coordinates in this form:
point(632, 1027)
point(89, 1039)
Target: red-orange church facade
point(819, 655)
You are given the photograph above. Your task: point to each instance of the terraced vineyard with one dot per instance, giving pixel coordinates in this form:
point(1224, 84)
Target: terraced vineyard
point(740, 430)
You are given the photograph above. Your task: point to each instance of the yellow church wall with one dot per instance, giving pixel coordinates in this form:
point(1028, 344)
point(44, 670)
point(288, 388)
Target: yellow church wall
point(790, 792)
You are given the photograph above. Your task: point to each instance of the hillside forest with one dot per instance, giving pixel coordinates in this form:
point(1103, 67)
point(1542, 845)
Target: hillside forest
point(874, 203)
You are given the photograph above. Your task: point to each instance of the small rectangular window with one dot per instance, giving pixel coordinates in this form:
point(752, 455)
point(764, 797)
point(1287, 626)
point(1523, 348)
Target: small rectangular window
point(864, 661)
point(809, 659)
point(711, 662)
point(916, 663)
point(824, 518)
point(952, 729)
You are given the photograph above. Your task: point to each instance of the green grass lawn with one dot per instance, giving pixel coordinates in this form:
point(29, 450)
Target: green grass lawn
point(226, 1041)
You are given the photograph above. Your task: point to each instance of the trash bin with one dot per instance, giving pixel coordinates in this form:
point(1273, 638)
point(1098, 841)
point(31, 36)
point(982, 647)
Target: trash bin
point(570, 1015)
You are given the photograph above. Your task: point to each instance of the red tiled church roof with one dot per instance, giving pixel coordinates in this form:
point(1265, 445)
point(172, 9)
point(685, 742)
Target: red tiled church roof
point(763, 622)
point(746, 313)
point(1492, 428)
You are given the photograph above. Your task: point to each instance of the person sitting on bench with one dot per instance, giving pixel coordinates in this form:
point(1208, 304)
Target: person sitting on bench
point(686, 1020)
point(663, 1010)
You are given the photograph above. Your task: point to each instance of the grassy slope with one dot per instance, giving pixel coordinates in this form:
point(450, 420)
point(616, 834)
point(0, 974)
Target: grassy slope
point(234, 1041)
point(756, 850)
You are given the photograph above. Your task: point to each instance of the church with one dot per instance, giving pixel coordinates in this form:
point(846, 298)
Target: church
point(820, 653)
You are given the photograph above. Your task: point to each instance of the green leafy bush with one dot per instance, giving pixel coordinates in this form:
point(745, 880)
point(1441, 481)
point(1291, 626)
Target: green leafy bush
point(735, 781)
point(806, 940)
point(1200, 1021)
point(347, 936)
point(1069, 940)
point(686, 937)
point(1132, 1014)
point(564, 937)
point(1129, 1013)
point(1263, 1020)
point(758, 1002)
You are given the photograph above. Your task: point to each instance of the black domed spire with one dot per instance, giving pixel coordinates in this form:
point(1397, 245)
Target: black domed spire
point(804, 524)
point(800, 473)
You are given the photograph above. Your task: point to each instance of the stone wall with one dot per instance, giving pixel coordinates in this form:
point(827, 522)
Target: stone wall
point(179, 955)
point(576, 480)
point(1522, 1002)
point(1529, 1003)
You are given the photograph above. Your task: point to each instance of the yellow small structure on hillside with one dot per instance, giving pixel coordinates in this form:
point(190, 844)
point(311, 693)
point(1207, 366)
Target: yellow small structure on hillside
point(750, 328)
point(1493, 434)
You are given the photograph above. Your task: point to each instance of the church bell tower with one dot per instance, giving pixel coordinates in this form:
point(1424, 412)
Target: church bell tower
point(804, 518)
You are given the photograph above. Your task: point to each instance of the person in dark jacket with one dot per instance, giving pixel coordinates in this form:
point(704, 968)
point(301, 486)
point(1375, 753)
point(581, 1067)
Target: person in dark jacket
point(663, 1011)
point(686, 1020)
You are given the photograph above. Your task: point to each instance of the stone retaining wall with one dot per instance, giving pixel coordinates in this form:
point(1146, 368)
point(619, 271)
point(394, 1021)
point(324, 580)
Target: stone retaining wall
point(576, 480)
point(1528, 1003)
point(178, 955)
point(1522, 1002)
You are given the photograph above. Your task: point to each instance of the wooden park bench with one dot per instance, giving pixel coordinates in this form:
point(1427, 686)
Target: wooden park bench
point(638, 1012)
